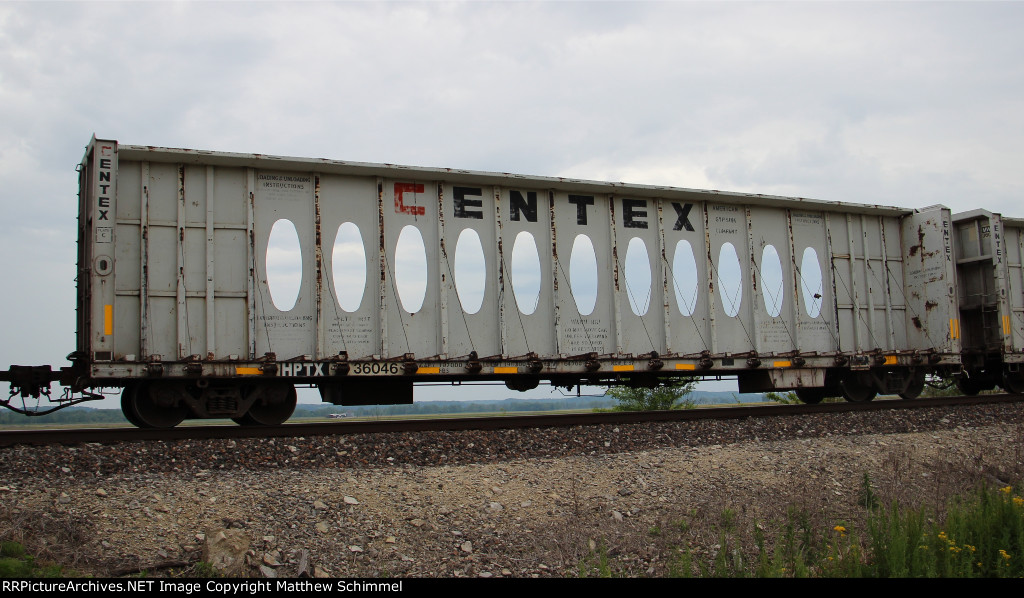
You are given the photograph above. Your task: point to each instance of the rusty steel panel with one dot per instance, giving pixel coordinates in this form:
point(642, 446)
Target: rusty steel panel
point(455, 274)
point(930, 280)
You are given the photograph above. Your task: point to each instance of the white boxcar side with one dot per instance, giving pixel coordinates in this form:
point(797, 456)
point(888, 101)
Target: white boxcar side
point(784, 293)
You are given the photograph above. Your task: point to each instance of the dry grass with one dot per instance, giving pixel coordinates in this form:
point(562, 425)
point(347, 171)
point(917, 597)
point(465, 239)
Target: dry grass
point(652, 544)
point(50, 536)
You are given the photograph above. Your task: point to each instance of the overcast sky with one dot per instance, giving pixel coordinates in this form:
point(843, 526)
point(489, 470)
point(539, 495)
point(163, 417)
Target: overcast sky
point(905, 104)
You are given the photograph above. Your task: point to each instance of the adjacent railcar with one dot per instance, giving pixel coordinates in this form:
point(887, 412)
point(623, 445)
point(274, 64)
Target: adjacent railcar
point(575, 282)
point(990, 281)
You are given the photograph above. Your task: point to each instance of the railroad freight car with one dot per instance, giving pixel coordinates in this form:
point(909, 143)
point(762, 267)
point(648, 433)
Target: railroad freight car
point(990, 286)
point(570, 282)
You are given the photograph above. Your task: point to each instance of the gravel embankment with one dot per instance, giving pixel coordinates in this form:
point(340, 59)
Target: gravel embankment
point(495, 503)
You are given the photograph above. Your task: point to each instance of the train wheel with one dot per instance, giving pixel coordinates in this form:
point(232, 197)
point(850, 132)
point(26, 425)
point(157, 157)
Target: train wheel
point(1013, 383)
point(857, 392)
point(968, 386)
point(914, 388)
point(270, 413)
point(128, 406)
point(811, 396)
point(156, 410)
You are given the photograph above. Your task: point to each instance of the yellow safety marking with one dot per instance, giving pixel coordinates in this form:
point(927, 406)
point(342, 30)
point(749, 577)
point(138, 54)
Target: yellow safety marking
point(1006, 325)
point(954, 328)
point(248, 371)
point(507, 370)
point(108, 319)
point(891, 360)
point(686, 366)
point(782, 364)
point(422, 370)
point(622, 368)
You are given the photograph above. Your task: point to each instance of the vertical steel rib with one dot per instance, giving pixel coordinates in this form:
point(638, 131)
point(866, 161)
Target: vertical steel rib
point(211, 252)
point(797, 277)
point(858, 345)
point(884, 275)
point(754, 280)
point(443, 274)
point(868, 282)
point(184, 344)
point(617, 280)
point(144, 323)
point(662, 270)
point(250, 256)
point(499, 266)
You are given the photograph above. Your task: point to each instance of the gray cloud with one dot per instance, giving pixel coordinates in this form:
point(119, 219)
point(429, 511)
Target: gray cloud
point(906, 104)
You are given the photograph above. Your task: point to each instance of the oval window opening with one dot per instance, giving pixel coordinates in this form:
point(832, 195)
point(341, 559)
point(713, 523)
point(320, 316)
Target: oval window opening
point(525, 270)
point(730, 279)
point(638, 276)
point(771, 281)
point(284, 265)
point(411, 269)
point(348, 267)
point(684, 275)
point(583, 275)
point(810, 282)
point(470, 271)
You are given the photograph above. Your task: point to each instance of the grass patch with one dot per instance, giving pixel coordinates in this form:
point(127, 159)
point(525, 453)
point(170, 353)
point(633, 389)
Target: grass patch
point(15, 562)
point(981, 535)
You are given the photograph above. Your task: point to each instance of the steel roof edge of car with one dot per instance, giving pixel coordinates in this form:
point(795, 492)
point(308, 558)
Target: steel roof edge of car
point(504, 179)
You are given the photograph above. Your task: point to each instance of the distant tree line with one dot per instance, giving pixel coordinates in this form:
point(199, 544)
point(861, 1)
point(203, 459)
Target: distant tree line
point(70, 415)
point(88, 415)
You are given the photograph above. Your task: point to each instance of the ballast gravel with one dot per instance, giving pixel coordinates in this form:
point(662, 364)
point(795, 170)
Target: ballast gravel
point(510, 503)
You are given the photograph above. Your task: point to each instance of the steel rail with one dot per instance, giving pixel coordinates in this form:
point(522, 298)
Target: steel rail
point(126, 434)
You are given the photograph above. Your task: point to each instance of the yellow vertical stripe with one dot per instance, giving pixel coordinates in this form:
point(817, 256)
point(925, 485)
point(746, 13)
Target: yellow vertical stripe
point(1006, 325)
point(108, 319)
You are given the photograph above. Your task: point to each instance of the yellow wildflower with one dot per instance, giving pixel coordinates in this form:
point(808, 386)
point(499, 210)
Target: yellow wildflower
point(839, 528)
point(1004, 554)
point(1018, 501)
point(1006, 490)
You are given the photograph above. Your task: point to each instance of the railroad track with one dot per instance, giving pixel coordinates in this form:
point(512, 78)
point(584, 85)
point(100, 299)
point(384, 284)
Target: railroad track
point(125, 434)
